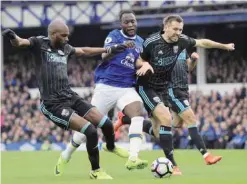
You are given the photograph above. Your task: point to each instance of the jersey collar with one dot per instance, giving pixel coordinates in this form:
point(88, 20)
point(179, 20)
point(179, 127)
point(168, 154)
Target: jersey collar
point(124, 35)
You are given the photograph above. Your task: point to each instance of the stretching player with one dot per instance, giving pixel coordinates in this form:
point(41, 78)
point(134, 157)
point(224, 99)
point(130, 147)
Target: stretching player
point(115, 79)
point(161, 50)
point(58, 102)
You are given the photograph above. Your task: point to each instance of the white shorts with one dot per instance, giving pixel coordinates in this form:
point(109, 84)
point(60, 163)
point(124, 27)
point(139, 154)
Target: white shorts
point(106, 97)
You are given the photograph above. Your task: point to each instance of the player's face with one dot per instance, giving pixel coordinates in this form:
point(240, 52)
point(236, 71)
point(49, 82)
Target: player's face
point(61, 37)
point(173, 30)
point(129, 24)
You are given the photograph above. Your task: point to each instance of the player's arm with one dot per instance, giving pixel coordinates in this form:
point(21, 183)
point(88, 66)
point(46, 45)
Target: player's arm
point(14, 39)
point(192, 61)
point(127, 44)
point(92, 51)
point(206, 43)
point(142, 67)
point(142, 62)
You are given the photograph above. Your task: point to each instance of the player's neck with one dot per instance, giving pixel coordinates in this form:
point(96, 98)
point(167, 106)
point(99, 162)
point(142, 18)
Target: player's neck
point(165, 37)
point(53, 45)
point(126, 36)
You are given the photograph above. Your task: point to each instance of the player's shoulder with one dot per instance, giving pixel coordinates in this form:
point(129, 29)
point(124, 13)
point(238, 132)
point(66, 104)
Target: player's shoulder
point(183, 37)
point(115, 32)
point(152, 39)
point(139, 39)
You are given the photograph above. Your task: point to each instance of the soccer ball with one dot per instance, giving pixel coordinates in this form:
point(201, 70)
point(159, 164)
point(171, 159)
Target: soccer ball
point(162, 168)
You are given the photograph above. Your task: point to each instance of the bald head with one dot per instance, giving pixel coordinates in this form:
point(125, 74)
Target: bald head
point(58, 33)
point(57, 25)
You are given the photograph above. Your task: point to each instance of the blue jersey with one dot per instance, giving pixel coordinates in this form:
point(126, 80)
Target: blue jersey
point(120, 70)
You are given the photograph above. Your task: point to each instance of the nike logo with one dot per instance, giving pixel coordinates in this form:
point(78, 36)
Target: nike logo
point(57, 172)
point(95, 176)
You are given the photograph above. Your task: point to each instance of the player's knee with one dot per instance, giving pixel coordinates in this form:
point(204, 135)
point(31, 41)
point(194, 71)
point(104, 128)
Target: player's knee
point(90, 131)
point(190, 119)
point(105, 123)
point(165, 119)
point(79, 138)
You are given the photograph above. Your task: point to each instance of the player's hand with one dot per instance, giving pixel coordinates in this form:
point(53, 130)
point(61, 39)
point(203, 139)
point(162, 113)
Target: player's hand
point(143, 70)
point(129, 44)
point(194, 57)
point(230, 46)
point(116, 49)
point(9, 34)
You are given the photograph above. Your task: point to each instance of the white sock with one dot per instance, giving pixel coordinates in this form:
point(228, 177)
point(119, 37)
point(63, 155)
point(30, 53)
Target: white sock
point(135, 135)
point(75, 142)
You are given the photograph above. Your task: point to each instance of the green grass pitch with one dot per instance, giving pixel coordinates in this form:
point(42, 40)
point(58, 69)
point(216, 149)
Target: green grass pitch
point(37, 168)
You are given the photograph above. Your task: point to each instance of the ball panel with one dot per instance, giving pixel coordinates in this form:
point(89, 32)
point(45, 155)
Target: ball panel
point(162, 168)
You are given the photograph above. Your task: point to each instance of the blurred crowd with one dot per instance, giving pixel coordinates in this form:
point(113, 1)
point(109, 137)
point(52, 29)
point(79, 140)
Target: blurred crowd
point(225, 67)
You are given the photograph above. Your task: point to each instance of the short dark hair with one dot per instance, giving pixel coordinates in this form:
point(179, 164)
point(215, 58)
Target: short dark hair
point(125, 12)
point(171, 18)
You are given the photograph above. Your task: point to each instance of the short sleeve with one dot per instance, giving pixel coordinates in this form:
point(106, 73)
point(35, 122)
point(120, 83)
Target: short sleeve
point(110, 40)
point(145, 55)
point(70, 49)
point(35, 41)
point(187, 42)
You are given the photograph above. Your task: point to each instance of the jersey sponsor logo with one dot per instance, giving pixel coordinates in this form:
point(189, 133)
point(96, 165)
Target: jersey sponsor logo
point(108, 40)
point(54, 57)
point(160, 61)
point(175, 49)
point(157, 99)
point(65, 112)
point(129, 61)
point(186, 102)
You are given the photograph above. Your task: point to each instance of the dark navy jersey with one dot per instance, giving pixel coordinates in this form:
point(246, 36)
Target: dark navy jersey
point(162, 56)
point(179, 78)
point(50, 66)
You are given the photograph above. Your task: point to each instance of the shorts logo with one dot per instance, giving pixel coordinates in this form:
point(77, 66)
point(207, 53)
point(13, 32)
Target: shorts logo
point(65, 112)
point(186, 102)
point(157, 99)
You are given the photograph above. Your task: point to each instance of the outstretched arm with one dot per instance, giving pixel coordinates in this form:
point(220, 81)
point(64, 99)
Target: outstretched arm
point(14, 39)
point(206, 43)
point(92, 51)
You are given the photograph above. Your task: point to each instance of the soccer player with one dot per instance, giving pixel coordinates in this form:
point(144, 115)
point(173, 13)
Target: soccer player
point(58, 102)
point(162, 50)
point(115, 79)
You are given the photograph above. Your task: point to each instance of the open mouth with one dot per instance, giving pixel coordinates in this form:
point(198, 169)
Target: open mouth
point(131, 31)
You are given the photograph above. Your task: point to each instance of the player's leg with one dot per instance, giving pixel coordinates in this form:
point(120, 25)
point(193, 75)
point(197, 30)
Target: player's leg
point(131, 104)
point(125, 120)
point(100, 99)
point(104, 99)
point(181, 106)
point(189, 119)
point(66, 118)
point(177, 121)
point(162, 116)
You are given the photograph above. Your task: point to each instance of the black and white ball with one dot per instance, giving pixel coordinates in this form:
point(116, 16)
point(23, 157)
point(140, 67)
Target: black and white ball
point(162, 168)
